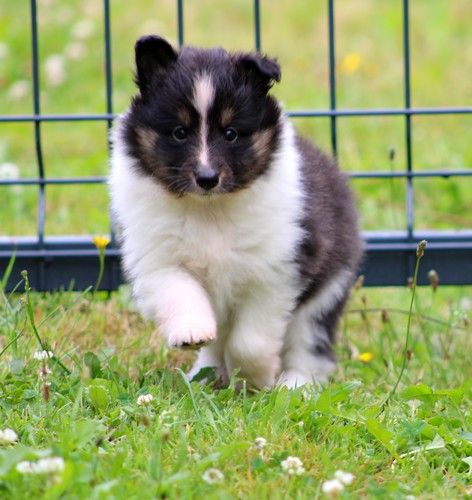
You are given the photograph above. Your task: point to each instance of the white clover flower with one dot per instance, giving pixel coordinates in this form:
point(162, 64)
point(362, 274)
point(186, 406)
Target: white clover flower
point(8, 436)
point(55, 70)
point(293, 466)
point(42, 355)
point(260, 443)
point(332, 487)
point(49, 465)
point(345, 477)
point(75, 50)
point(18, 90)
point(25, 467)
point(4, 49)
point(82, 29)
point(213, 475)
point(465, 303)
point(9, 171)
point(144, 399)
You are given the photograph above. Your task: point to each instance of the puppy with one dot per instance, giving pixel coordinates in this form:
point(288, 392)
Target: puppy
point(237, 234)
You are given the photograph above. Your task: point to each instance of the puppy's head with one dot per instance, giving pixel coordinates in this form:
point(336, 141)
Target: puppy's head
point(202, 122)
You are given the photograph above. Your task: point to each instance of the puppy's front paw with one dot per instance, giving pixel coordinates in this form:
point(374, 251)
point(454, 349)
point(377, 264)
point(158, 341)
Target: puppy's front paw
point(293, 379)
point(191, 336)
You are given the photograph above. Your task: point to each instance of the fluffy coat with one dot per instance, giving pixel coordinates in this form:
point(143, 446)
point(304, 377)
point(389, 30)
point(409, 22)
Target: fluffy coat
point(236, 233)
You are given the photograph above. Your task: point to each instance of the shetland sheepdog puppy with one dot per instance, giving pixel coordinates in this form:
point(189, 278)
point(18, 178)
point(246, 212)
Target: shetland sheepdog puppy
point(238, 236)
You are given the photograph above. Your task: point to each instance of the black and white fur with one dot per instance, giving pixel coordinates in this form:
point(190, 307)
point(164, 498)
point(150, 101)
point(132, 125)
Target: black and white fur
point(237, 234)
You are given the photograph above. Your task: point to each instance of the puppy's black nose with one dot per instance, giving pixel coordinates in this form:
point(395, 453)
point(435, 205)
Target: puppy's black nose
point(207, 180)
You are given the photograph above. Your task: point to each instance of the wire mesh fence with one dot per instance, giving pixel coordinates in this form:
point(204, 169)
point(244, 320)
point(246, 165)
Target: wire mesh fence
point(72, 262)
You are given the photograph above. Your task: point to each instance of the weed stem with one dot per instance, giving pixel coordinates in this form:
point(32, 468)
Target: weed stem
point(419, 255)
point(30, 315)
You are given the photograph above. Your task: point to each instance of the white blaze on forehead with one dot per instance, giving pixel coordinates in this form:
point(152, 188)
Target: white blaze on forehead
point(203, 96)
point(204, 93)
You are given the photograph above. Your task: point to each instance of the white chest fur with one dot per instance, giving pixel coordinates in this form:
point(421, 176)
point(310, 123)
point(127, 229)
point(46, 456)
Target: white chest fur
point(229, 243)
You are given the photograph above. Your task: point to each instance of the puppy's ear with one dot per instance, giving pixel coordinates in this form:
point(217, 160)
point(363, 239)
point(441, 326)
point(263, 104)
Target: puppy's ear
point(154, 56)
point(259, 69)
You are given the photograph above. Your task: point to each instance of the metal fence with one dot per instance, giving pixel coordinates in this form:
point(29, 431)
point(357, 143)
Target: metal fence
point(55, 263)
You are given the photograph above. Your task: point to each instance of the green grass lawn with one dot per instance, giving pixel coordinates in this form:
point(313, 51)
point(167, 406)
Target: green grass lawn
point(369, 70)
point(420, 445)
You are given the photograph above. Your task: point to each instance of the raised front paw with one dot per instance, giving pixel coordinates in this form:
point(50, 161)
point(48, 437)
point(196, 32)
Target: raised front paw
point(192, 337)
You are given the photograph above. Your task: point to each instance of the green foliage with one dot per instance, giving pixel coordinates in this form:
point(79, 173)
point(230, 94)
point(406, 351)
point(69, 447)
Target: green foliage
point(419, 444)
point(369, 74)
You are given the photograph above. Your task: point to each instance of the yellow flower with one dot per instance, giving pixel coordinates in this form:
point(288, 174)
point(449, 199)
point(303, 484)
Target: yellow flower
point(100, 241)
point(350, 63)
point(365, 357)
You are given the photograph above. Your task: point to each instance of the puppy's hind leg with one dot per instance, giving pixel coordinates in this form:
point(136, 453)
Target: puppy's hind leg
point(308, 355)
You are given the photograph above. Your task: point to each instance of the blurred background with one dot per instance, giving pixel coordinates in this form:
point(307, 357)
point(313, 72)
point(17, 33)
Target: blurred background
point(369, 72)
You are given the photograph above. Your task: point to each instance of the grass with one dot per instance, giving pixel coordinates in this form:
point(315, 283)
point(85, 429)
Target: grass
point(368, 32)
point(419, 444)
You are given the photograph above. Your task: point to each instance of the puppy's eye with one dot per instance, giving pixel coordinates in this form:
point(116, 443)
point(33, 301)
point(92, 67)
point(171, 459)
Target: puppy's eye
point(179, 133)
point(230, 134)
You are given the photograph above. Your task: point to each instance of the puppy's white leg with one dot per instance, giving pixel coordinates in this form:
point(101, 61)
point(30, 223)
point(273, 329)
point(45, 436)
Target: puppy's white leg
point(210, 356)
point(179, 304)
point(255, 342)
point(308, 355)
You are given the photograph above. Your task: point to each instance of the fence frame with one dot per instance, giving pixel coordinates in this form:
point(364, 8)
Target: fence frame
point(72, 262)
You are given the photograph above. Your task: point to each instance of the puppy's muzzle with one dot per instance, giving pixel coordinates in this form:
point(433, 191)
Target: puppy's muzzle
point(207, 179)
